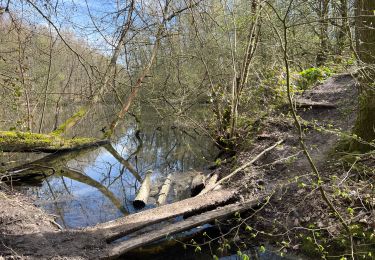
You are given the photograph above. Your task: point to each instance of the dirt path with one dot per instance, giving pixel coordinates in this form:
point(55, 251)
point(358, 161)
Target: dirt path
point(287, 160)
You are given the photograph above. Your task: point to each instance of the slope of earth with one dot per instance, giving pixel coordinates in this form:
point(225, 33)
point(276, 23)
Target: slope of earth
point(296, 218)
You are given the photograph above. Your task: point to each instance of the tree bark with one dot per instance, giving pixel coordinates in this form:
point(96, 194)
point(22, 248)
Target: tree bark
point(164, 191)
point(118, 228)
point(120, 248)
point(322, 55)
point(141, 199)
point(365, 30)
point(344, 29)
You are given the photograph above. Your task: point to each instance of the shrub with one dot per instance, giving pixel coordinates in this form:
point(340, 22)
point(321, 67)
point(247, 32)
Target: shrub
point(311, 76)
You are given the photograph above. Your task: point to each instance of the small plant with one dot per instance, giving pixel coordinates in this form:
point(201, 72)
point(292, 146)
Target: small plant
point(313, 75)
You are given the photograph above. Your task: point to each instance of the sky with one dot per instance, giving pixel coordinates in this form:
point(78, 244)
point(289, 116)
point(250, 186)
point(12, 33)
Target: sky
point(74, 16)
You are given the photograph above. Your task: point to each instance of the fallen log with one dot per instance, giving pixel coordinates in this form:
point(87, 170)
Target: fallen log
point(117, 249)
point(13, 141)
point(115, 229)
point(164, 191)
point(211, 183)
point(197, 184)
point(44, 166)
point(305, 103)
point(140, 200)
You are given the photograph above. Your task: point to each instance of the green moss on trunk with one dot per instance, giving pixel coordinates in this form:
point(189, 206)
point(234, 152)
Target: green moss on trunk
point(13, 141)
point(70, 122)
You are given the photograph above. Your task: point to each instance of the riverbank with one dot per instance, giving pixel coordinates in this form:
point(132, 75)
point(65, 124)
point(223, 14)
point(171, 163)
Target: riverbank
point(293, 216)
point(297, 218)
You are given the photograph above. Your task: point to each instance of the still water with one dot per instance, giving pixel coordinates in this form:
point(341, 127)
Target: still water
point(92, 186)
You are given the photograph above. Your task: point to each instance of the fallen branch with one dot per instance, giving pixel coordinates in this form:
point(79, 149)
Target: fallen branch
point(242, 167)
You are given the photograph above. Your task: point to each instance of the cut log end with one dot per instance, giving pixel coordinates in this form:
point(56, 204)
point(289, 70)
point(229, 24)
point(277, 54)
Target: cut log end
point(139, 204)
point(140, 200)
point(197, 184)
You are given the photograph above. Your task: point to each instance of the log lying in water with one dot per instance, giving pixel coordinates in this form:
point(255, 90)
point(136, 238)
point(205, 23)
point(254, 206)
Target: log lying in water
point(117, 249)
point(164, 191)
point(140, 200)
point(210, 183)
point(197, 184)
point(115, 229)
point(12, 141)
point(44, 166)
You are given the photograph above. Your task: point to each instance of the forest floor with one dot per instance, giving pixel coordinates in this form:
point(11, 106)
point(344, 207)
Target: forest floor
point(295, 207)
point(296, 218)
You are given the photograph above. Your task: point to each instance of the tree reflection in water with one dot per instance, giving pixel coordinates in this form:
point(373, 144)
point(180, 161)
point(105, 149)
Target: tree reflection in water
point(91, 186)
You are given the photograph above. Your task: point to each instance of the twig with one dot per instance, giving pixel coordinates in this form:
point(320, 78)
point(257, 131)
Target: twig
point(244, 166)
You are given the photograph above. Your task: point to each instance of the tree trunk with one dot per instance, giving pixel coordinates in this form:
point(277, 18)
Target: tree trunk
point(210, 183)
point(365, 32)
point(144, 192)
point(104, 83)
point(197, 184)
point(322, 55)
point(344, 29)
point(12, 141)
point(164, 191)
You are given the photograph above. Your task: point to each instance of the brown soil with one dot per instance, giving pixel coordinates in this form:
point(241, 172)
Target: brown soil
point(296, 204)
point(27, 232)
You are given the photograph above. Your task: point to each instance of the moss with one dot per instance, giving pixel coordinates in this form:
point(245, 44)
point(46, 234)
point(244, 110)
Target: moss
point(70, 122)
point(24, 137)
point(13, 140)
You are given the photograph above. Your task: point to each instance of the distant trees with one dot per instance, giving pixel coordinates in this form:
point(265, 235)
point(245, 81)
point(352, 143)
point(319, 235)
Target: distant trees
point(184, 53)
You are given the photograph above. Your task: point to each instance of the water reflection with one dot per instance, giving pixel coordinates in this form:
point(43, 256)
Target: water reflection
point(90, 186)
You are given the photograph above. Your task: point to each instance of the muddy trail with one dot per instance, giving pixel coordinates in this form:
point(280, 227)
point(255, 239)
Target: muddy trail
point(273, 178)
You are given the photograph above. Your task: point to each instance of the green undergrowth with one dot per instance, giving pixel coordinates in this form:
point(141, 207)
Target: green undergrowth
point(309, 77)
point(318, 245)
